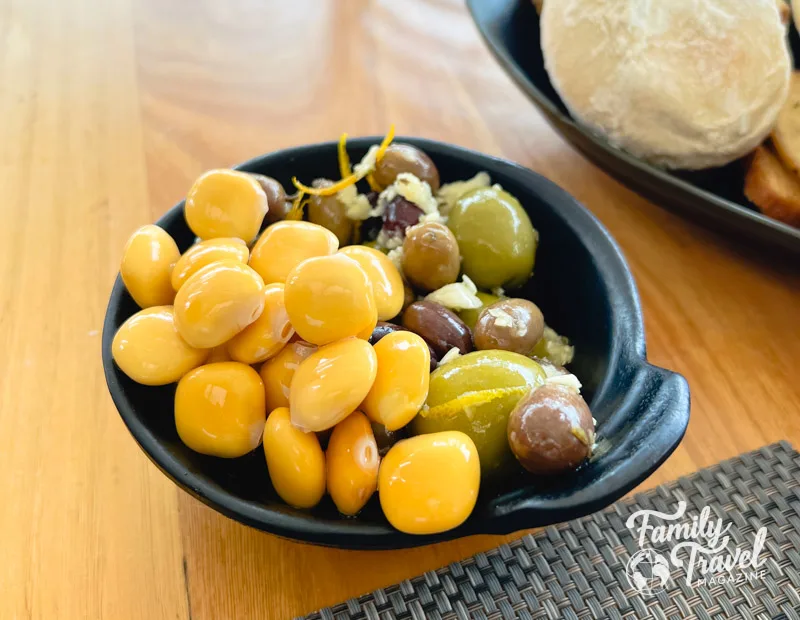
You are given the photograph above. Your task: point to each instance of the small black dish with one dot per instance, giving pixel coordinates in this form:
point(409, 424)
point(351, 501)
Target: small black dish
point(714, 197)
point(585, 290)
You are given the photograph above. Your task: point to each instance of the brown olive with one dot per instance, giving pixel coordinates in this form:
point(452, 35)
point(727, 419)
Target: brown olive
point(439, 327)
point(329, 212)
point(386, 438)
point(384, 329)
point(509, 324)
point(399, 215)
point(405, 158)
point(276, 198)
point(430, 256)
point(551, 430)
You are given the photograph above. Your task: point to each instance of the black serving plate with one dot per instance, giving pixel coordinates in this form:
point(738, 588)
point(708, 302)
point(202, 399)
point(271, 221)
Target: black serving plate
point(714, 196)
point(585, 290)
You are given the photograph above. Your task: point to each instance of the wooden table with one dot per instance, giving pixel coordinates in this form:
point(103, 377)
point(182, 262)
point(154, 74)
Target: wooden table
point(110, 109)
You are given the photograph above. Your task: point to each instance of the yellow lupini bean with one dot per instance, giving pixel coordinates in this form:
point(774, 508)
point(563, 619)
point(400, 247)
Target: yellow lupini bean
point(387, 284)
point(219, 409)
point(284, 245)
point(401, 384)
point(148, 348)
point(429, 484)
point(205, 253)
point(329, 298)
point(295, 461)
point(147, 262)
point(218, 302)
point(331, 383)
point(225, 203)
point(352, 459)
point(267, 334)
point(277, 372)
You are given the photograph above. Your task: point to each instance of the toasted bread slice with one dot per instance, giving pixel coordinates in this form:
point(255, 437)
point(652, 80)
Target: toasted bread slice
point(785, 11)
point(786, 133)
point(772, 188)
point(538, 4)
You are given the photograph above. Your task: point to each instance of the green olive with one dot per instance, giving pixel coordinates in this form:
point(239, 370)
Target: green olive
point(475, 394)
point(470, 316)
point(496, 238)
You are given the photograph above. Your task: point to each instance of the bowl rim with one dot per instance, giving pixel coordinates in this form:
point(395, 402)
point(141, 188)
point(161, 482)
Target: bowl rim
point(627, 348)
point(486, 15)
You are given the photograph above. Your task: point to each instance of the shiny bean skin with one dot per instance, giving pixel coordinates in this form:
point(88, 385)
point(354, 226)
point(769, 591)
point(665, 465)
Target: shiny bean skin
point(205, 253)
point(401, 384)
point(277, 372)
point(387, 283)
point(295, 461)
point(331, 383)
point(352, 459)
point(218, 302)
point(148, 348)
point(284, 245)
point(383, 329)
point(219, 409)
point(441, 328)
point(225, 203)
point(268, 334)
point(329, 298)
point(429, 484)
point(146, 268)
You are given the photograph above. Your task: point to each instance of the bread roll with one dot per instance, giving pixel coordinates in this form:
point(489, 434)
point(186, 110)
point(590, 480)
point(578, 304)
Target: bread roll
point(679, 83)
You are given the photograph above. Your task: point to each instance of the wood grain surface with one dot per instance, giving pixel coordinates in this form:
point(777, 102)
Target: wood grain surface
point(110, 109)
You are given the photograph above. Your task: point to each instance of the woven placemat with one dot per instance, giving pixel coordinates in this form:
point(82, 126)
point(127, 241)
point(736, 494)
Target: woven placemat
point(580, 569)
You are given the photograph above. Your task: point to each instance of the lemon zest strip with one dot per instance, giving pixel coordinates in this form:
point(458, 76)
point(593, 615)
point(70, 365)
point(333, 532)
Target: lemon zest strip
point(344, 160)
point(296, 212)
point(350, 179)
point(472, 399)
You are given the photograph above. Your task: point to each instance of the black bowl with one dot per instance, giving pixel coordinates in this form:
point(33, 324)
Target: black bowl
point(585, 290)
point(715, 197)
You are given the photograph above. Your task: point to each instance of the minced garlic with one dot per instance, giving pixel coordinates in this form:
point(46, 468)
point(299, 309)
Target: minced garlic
point(457, 296)
point(449, 193)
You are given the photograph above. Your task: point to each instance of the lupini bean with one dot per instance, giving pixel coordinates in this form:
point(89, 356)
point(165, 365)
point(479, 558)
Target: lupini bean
point(218, 302)
point(295, 461)
point(352, 460)
point(148, 348)
point(429, 484)
point(225, 203)
point(219, 409)
point(147, 263)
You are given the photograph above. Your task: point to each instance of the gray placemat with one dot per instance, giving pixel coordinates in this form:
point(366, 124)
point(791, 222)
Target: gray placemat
point(580, 569)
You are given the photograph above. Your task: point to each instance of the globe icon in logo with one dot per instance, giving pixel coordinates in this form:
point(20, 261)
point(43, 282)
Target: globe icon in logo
point(647, 571)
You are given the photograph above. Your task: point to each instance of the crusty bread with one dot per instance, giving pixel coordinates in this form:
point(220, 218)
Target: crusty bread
point(786, 133)
point(772, 188)
point(678, 83)
point(785, 11)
